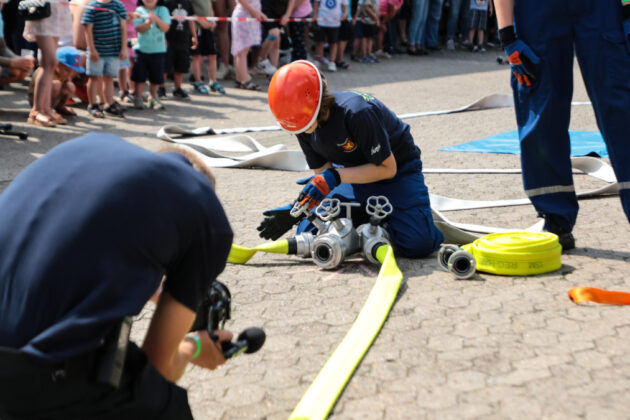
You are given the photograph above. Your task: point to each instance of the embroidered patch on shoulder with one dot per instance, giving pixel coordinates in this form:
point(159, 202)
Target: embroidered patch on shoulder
point(348, 145)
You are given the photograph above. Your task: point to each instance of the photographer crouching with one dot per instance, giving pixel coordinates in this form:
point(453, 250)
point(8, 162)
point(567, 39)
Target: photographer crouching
point(87, 233)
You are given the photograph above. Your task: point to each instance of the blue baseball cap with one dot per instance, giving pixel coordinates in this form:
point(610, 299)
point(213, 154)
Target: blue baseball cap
point(70, 57)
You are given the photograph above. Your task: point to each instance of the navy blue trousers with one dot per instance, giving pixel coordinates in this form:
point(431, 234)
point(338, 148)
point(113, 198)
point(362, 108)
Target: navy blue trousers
point(556, 30)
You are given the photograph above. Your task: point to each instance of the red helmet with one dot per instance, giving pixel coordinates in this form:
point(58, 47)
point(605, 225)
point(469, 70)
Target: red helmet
point(295, 95)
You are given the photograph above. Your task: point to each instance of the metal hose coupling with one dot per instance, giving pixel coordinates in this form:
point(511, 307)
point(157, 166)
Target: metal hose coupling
point(301, 245)
point(454, 259)
point(372, 235)
point(338, 241)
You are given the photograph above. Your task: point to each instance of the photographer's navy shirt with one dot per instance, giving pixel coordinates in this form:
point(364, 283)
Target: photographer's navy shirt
point(359, 130)
point(88, 231)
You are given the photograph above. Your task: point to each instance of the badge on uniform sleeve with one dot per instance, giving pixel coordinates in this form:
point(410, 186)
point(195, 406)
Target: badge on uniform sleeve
point(348, 145)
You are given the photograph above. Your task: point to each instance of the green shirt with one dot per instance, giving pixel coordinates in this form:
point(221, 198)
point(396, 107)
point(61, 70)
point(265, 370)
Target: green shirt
point(201, 8)
point(153, 40)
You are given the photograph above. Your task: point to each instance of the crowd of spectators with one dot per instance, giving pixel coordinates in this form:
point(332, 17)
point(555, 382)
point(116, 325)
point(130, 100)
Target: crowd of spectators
point(86, 47)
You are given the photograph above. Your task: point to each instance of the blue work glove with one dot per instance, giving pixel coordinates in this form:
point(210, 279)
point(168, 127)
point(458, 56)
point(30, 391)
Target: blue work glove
point(625, 11)
point(522, 59)
point(277, 222)
point(318, 187)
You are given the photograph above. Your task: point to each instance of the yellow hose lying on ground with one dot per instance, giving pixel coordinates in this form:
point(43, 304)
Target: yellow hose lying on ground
point(240, 254)
point(332, 378)
point(516, 253)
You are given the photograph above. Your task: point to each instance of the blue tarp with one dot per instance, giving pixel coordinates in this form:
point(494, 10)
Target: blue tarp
point(582, 143)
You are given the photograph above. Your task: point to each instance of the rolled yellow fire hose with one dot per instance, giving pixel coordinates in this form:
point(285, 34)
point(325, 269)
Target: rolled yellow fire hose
point(516, 253)
point(332, 378)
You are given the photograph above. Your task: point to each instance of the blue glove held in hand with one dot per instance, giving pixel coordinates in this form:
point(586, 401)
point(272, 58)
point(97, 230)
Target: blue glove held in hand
point(625, 12)
point(277, 222)
point(318, 187)
point(304, 181)
point(523, 62)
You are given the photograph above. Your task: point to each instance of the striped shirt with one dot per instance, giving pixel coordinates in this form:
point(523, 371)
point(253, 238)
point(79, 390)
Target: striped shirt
point(106, 28)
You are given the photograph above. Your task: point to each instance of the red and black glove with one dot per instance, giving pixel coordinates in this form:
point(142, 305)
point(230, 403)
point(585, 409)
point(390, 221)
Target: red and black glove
point(522, 59)
point(318, 187)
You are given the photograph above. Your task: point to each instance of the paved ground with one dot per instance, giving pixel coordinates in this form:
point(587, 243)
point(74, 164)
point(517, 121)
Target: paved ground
point(493, 347)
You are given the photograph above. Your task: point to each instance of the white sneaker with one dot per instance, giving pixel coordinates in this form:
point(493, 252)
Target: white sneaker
point(321, 61)
point(332, 67)
point(382, 54)
point(267, 67)
point(222, 71)
point(450, 45)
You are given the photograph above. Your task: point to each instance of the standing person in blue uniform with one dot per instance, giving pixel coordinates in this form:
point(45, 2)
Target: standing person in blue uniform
point(87, 234)
point(540, 40)
point(357, 148)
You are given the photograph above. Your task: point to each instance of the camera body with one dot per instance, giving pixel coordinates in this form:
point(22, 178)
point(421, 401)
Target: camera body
point(215, 309)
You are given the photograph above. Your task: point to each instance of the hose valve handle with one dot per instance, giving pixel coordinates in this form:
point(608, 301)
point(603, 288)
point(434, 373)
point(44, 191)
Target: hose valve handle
point(378, 207)
point(298, 209)
point(329, 209)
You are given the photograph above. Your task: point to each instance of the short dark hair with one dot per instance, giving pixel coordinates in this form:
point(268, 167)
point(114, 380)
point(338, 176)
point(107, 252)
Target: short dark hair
point(328, 99)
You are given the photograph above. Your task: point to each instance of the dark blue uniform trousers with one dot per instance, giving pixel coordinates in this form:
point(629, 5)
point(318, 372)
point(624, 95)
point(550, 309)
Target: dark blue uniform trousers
point(410, 226)
point(554, 29)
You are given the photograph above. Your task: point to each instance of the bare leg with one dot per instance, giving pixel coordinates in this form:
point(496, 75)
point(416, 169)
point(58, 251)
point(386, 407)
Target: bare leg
point(43, 84)
point(108, 86)
point(177, 80)
point(271, 48)
point(54, 93)
point(341, 50)
point(223, 8)
point(319, 49)
point(240, 66)
point(380, 35)
point(333, 51)
point(139, 89)
point(402, 30)
point(195, 66)
point(100, 87)
point(123, 79)
point(94, 82)
point(65, 92)
point(212, 67)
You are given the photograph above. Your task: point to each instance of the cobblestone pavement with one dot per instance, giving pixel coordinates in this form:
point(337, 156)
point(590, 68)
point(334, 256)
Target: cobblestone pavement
point(491, 347)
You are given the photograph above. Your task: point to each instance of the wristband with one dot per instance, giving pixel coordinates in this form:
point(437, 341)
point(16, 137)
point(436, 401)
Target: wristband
point(507, 35)
point(336, 175)
point(197, 341)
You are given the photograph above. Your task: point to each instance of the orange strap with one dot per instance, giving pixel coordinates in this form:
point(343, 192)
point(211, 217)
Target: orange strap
point(591, 294)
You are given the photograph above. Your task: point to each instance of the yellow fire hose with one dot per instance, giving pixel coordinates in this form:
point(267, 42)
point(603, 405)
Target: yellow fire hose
point(240, 254)
point(332, 378)
point(516, 253)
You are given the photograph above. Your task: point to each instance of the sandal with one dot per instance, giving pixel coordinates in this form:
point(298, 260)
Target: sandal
point(95, 111)
point(58, 118)
point(216, 87)
point(343, 65)
point(249, 85)
point(43, 120)
point(65, 111)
